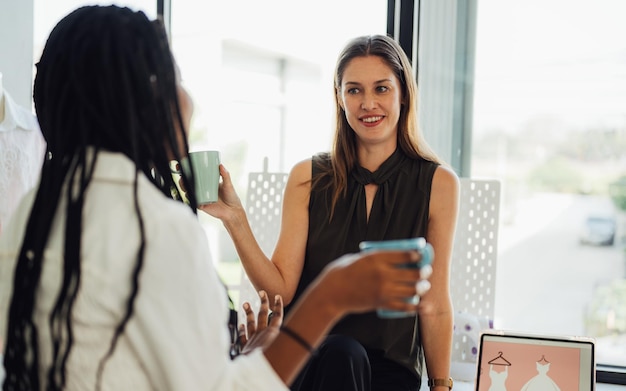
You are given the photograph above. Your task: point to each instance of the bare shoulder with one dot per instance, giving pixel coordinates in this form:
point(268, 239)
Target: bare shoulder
point(301, 172)
point(298, 185)
point(445, 185)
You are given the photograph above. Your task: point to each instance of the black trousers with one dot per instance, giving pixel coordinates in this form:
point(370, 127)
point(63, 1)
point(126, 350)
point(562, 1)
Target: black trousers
point(343, 364)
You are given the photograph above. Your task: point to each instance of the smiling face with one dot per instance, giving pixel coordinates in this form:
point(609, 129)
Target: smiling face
point(371, 96)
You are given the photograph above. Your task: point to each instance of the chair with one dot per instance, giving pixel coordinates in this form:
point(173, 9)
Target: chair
point(263, 204)
point(264, 201)
point(473, 270)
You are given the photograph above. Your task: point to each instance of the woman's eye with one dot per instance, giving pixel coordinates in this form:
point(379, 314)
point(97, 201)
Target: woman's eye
point(382, 88)
point(353, 91)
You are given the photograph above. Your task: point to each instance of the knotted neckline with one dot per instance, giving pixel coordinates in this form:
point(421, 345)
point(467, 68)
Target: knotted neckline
point(382, 174)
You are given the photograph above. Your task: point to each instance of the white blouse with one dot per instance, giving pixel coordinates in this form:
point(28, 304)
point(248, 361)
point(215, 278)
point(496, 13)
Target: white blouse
point(177, 337)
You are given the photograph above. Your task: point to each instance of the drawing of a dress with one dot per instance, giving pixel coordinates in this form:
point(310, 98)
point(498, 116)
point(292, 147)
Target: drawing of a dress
point(498, 379)
point(541, 381)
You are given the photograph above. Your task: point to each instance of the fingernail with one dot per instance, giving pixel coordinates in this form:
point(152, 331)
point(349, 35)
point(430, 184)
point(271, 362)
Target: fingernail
point(262, 294)
point(426, 271)
point(276, 299)
point(422, 287)
point(246, 306)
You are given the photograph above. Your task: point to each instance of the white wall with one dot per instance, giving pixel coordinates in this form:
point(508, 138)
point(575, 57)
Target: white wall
point(16, 49)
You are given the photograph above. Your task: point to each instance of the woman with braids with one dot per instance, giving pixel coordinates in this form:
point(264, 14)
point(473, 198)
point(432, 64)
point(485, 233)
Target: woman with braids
point(380, 181)
point(104, 277)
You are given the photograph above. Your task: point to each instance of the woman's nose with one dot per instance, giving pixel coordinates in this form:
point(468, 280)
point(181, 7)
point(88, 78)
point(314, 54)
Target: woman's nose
point(368, 102)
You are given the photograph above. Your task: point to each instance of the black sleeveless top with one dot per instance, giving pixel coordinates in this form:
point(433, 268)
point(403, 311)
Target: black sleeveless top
point(399, 210)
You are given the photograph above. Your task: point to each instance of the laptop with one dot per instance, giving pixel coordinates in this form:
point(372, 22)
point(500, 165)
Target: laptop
point(527, 362)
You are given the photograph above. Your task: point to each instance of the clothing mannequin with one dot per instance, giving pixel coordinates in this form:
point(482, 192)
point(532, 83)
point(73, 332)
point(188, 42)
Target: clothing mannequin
point(22, 149)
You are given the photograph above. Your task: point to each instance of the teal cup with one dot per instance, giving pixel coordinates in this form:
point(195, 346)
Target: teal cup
point(423, 248)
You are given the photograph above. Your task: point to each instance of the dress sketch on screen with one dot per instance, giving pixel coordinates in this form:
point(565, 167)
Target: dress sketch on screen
point(541, 381)
point(498, 378)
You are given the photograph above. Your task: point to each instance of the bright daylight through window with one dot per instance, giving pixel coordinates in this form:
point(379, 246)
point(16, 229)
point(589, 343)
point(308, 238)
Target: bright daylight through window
point(550, 123)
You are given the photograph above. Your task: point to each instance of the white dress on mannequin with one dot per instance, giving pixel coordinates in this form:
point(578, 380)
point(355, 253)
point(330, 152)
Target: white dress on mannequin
point(22, 149)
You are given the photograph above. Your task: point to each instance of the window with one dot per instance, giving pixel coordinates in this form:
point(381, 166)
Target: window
point(261, 76)
point(48, 13)
point(550, 123)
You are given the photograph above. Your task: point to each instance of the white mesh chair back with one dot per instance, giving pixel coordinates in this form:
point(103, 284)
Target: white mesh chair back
point(264, 201)
point(473, 270)
point(475, 251)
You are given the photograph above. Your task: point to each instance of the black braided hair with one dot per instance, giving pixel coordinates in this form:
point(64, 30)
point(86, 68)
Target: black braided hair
point(106, 80)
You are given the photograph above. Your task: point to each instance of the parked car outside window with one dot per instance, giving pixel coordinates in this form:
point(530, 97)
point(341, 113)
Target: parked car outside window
point(599, 231)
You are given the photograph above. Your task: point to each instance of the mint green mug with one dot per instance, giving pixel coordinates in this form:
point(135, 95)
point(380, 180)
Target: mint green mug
point(206, 168)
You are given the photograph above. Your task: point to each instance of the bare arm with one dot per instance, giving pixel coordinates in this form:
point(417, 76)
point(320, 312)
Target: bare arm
point(281, 274)
point(436, 312)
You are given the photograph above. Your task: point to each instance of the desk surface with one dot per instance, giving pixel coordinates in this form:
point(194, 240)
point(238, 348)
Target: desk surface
point(458, 385)
point(467, 386)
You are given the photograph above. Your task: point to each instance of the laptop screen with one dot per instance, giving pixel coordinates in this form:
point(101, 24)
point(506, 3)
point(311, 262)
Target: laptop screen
point(509, 361)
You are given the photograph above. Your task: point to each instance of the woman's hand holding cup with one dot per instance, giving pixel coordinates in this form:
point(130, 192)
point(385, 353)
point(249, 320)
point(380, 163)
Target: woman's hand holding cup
point(379, 279)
